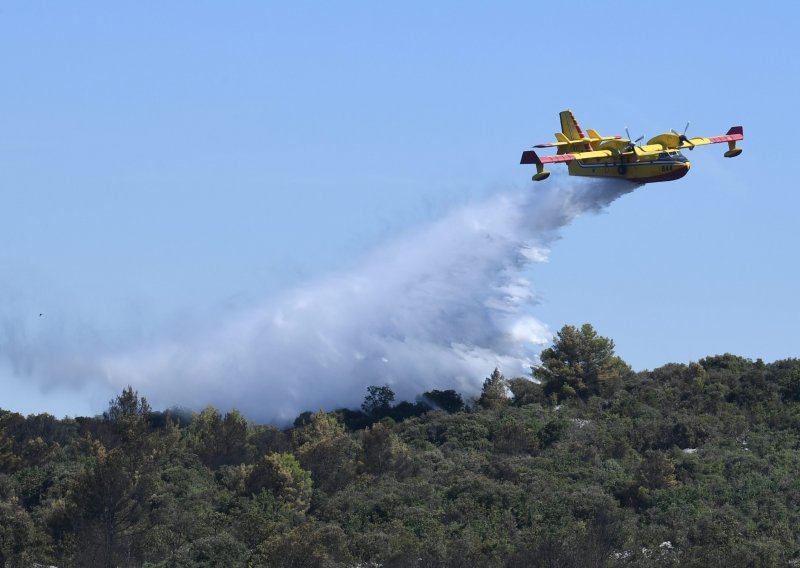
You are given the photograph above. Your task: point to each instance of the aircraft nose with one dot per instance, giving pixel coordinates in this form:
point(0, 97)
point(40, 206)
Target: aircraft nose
point(682, 170)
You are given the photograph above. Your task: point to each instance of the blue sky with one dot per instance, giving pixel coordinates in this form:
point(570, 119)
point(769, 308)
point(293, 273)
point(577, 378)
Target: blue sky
point(175, 158)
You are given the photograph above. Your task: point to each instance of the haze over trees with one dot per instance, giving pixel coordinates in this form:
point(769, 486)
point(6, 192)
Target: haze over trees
point(590, 464)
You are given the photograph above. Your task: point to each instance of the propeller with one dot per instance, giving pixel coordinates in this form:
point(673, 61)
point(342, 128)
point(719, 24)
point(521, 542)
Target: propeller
point(631, 143)
point(682, 137)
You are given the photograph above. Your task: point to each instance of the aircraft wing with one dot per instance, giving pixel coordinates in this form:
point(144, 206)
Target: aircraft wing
point(530, 157)
point(734, 134)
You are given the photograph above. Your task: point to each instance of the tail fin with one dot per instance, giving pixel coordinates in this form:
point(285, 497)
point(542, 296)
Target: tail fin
point(570, 126)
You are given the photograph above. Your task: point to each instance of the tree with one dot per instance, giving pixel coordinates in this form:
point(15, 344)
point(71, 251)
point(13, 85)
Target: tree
point(127, 423)
point(219, 440)
point(309, 545)
point(378, 401)
point(321, 426)
point(384, 451)
point(327, 451)
point(525, 391)
point(580, 364)
point(494, 392)
point(204, 437)
point(128, 407)
point(112, 492)
point(17, 535)
point(448, 400)
point(216, 550)
point(10, 459)
point(235, 431)
point(283, 476)
point(791, 389)
point(111, 498)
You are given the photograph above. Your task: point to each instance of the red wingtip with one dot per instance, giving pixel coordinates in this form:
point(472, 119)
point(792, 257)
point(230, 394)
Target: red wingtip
point(736, 130)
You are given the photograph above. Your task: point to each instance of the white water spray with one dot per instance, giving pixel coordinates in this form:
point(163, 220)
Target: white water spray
point(437, 308)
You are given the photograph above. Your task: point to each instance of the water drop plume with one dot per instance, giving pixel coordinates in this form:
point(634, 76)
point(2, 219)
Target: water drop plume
point(438, 307)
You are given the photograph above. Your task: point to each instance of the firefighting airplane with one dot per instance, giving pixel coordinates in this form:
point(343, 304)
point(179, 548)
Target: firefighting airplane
point(613, 156)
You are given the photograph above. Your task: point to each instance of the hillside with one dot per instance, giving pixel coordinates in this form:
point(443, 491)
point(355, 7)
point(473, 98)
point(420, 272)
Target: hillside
point(595, 465)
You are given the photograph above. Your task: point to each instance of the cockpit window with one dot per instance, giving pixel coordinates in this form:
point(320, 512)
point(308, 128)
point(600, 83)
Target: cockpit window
point(672, 156)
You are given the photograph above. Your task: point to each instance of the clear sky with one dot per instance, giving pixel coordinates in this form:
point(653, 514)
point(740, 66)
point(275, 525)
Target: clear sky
point(159, 159)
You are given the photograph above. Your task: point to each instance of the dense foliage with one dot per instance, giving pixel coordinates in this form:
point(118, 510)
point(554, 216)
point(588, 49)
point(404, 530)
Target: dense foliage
point(590, 464)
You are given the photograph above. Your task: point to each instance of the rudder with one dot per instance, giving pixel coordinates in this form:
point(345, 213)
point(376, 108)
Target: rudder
point(570, 126)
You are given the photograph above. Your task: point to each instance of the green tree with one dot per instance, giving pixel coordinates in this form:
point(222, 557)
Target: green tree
point(235, 434)
point(127, 425)
point(309, 545)
point(447, 400)
point(327, 451)
point(181, 509)
point(220, 550)
point(219, 440)
point(384, 451)
point(111, 498)
point(10, 460)
point(284, 477)
point(525, 391)
point(17, 536)
point(128, 408)
point(791, 390)
point(204, 437)
point(378, 401)
point(495, 391)
point(580, 364)
point(113, 491)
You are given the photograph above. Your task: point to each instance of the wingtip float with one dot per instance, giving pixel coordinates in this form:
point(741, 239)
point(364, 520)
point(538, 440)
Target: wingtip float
point(589, 154)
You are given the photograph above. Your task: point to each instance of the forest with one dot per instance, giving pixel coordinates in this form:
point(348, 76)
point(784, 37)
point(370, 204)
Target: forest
point(582, 463)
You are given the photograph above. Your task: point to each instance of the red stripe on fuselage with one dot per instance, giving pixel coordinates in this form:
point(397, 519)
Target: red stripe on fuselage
point(677, 173)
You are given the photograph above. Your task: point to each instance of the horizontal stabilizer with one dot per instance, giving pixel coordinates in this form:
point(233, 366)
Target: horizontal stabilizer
point(551, 144)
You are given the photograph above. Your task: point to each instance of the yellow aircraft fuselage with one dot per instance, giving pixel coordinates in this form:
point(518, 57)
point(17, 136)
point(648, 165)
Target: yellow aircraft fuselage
point(666, 166)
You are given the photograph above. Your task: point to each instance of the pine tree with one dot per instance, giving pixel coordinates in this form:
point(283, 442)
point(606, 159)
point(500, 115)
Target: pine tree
point(580, 364)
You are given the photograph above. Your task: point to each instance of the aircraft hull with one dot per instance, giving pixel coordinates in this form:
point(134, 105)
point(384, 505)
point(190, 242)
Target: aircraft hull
point(637, 172)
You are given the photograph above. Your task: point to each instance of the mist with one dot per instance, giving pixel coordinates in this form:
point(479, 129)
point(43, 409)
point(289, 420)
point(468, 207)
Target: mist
point(438, 307)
